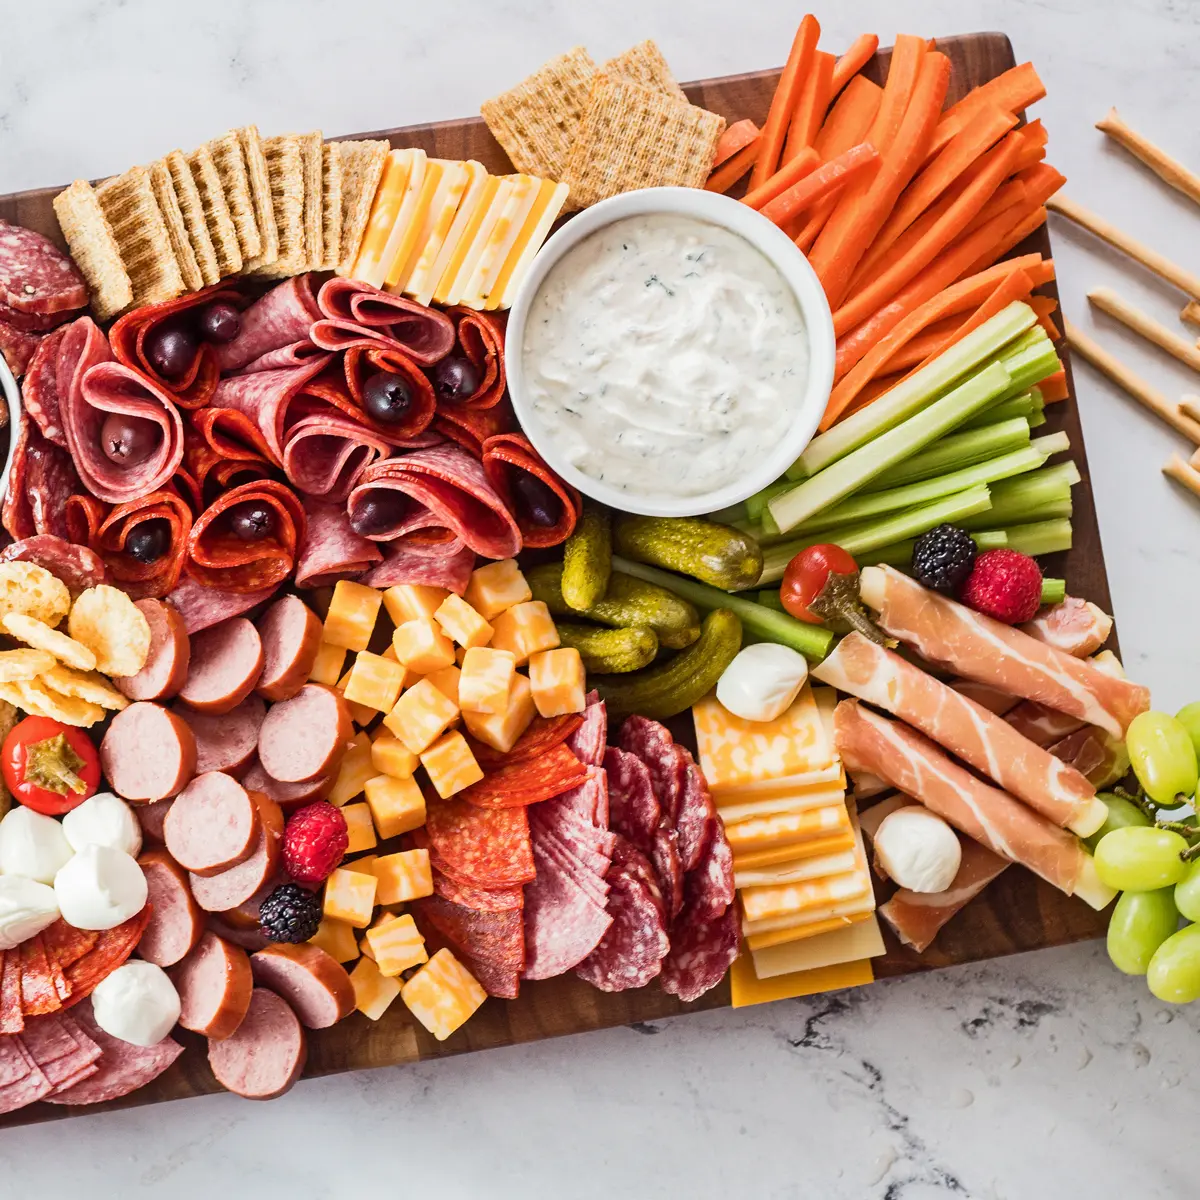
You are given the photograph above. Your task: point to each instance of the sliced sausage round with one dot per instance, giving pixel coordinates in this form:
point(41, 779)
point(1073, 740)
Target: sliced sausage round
point(311, 981)
point(176, 921)
point(249, 939)
point(214, 984)
point(291, 637)
point(212, 826)
point(266, 1054)
point(151, 817)
point(226, 662)
point(306, 736)
point(220, 893)
point(225, 741)
point(167, 663)
point(287, 795)
point(148, 753)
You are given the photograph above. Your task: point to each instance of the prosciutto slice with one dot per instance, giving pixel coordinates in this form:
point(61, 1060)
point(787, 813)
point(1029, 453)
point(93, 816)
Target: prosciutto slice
point(985, 650)
point(1076, 627)
point(352, 310)
point(278, 319)
point(331, 550)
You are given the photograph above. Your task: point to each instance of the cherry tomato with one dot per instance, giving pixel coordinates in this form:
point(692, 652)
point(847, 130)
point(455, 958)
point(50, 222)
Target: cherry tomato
point(806, 575)
point(48, 766)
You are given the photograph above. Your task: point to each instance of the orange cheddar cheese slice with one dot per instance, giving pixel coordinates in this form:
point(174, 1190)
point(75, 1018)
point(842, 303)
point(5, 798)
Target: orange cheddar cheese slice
point(450, 764)
point(501, 240)
point(396, 945)
point(497, 586)
point(763, 833)
point(415, 216)
point(841, 908)
point(461, 266)
point(796, 870)
point(760, 903)
point(337, 939)
point(456, 185)
point(350, 620)
point(787, 800)
point(445, 182)
point(501, 730)
point(402, 230)
point(370, 266)
point(480, 191)
point(443, 995)
point(421, 716)
point(373, 991)
point(360, 827)
point(397, 805)
point(753, 860)
point(354, 771)
point(548, 204)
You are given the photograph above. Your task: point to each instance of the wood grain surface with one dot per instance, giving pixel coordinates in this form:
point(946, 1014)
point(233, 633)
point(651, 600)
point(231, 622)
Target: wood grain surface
point(1017, 912)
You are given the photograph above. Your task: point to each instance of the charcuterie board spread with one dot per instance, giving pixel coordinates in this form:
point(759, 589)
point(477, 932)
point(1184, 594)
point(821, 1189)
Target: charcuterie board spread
point(421, 635)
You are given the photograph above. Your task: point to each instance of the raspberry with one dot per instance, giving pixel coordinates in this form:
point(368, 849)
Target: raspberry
point(314, 842)
point(1006, 585)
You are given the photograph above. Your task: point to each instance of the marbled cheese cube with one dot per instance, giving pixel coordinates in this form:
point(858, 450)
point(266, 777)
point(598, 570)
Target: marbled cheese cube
point(462, 623)
point(446, 682)
point(501, 730)
point(354, 771)
point(390, 756)
point(422, 647)
point(373, 991)
point(525, 629)
point(497, 586)
point(360, 827)
point(397, 805)
point(337, 939)
point(359, 713)
point(559, 682)
point(364, 944)
point(397, 944)
point(403, 876)
point(412, 602)
point(350, 620)
point(450, 764)
point(442, 995)
point(350, 897)
point(487, 677)
point(375, 681)
point(327, 666)
point(421, 716)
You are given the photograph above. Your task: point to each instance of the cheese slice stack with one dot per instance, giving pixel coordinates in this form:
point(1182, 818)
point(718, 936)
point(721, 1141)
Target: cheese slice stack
point(448, 231)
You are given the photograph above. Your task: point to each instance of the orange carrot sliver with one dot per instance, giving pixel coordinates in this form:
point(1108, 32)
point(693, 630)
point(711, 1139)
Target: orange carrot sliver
point(1014, 226)
point(730, 171)
point(924, 344)
point(736, 137)
point(1054, 387)
point(810, 106)
point(820, 183)
point(1046, 307)
point(861, 51)
point(783, 103)
point(787, 176)
point(1014, 236)
point(1015, 90)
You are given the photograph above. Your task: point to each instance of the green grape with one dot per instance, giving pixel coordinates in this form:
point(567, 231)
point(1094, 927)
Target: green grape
point(1174, 971)
point(1163, 757)
point(1136, 859)
point(1140, 923)
point(1121, 812)
point(1189, 717)
point(1187, 893)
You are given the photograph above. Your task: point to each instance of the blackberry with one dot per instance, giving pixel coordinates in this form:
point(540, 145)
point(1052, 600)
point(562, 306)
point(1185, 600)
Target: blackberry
point(290, 914)
point(942, 558)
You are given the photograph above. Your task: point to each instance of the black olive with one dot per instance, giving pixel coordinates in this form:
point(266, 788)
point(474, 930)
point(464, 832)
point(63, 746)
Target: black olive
point(128, 440)
point(220, 322)
point(252, 521)
point(387, 397)
point(378, 512)
point(171, 349)
point(149, 541)
point(455, 378)
point(535, 501)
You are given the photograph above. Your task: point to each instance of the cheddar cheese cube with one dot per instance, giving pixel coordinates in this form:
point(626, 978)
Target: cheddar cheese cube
point(421, 716)
point(558, 681)
point(487, 677)
point(462, 623)
point(525, 629)
point(350, 897)
point(396, 944)
point(363, 863)
point(390, 756)
point(442, 995)
point(374, 681)
point(501, 730)
point(397, 805)
point(364, 943)
point(327, 666)
point(422, 647)
point(390, 653)
point(460, 652)
point(337, 939)
point(350, 620)
point(450, 764)
point(497, 586)
point(360, 828)
point(403, 876)
point(412, 602)
point(373, 991)
point(354, 771)
point(446, 682)
point(361, 714)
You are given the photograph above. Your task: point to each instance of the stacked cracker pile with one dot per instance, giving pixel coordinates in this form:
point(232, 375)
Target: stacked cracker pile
point(604, 131)
point(239, 204)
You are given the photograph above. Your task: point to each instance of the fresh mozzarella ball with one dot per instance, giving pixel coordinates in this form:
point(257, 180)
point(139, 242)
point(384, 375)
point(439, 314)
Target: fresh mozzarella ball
point(26, 908)
point(99, 888)
point(762, 681)
point(137, 1003)
point(32, 845)
point(104, 820)
point(918, 849)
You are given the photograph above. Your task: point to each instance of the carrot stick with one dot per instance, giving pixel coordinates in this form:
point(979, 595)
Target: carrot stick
point(1016, 234)
point(1015, 90)
point(924, 344)
point(730, 171)
point(1035, 138)
point(1046, 307)
point(1007, 196)
point(861, 51)
point(787, 175)
point(737, 137)
point(1013, 227)
point(820, 183)
point(1054, 387)
point(879, 386)
point(810, 106)
point(783, 103)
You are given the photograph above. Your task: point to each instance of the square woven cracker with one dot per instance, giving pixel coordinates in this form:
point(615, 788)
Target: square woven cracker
point(331, 205)
point(536, 121)
point(260, 193)
point(230, 162)
point(192, 207)
point(285, 170)
point(94, 248)
point(141, 233)
point(362, 169)
point(645, 64)
point(312, 155)
point(632, 137)
point(216, 212)
point(177, 230)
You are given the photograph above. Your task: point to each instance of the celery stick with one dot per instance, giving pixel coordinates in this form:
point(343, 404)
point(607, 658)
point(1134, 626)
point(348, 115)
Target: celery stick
point(1041, 537)
point(1029, 367)
point(1024, 405)
point(756, 505)
point(771, 600)
point(813, 641)
point(899, 554)
point(730, 515)
point(1037, 496)
point(911, 395)
point(1036, 419)
point(1054, 591)
point(862, 465)
point(870, 535)
point(1051, 443)
point(955, 451)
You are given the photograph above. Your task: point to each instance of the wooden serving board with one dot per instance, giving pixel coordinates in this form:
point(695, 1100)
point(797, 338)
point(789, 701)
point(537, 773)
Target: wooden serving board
point(1017, 912)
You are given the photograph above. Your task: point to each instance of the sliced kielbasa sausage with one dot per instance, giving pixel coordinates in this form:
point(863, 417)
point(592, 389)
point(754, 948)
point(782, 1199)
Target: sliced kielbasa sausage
point(266, 1054)
point(212, 826)
point(176, 921)
point(225, 741)
point(167, 663)
point(151, 817)
point(305, 737)
point(291, 637)
point(311, 981)
point(214, 984)
point(287, 795)
point(229, 889)
point(226, 662)
point(148, 753)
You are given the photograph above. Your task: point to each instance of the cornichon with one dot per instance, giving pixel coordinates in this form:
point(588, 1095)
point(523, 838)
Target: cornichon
point(587, 558)
point(662, 691)
point(610, 651)
point(715, 554)
point(627, 603)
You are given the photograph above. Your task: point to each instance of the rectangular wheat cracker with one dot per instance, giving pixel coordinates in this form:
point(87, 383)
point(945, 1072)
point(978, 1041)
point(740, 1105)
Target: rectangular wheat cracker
point(177, 230)
point(260, 193)
point(285, 170)
point(536, 121)
point(362, 169)
point(312, 147)
point(141, 233)
point(192, 207)
point(94, 248)
point(230, 161)
point(644, 64)
point(331, 205)
point(216, 212)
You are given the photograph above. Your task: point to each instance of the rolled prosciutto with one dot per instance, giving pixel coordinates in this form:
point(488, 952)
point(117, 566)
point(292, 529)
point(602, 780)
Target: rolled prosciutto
point(1076, 627)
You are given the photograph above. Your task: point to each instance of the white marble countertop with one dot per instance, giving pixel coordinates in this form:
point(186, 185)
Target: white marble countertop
point(1047, 1075)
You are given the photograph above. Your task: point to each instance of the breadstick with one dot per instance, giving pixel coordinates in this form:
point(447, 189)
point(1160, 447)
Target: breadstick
point(1190, 407)
point(1125, 379)
point(1183, 473)
point(1108, 301)
point(1173, 173)
point(1106, 232)
point(1191, 313)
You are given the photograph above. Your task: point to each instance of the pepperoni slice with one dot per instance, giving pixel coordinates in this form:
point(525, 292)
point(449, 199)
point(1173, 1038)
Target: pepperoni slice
point(410, 561)
point(488, 847)
point(554, 771)
point(546, 509)
point(360, 363)
point(119, 530)
point(112, 948)
point(480, 899)
point(543, 734)
point(481, 339)
point(471, 427)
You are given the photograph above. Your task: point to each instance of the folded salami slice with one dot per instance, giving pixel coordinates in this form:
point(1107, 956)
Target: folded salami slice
point(352, 310)
point(481, 342)
point(133, 334)
point(231, 435)
point(35, 275)
point(206, 472)
point(471, 427)
point(281, 317)
point(428, 565)
point(361, 363)
point(545, 507)
point(202, 607)
point(563, 920)
point(218, 557)
point(163, 513)
point(294, 354)
point(701, 954)
point(436, 488)
point(326, 455)
point(41, 485)
point(18, 347)
point(77, 566)
point(263, 398)
point(39, 392)
point(588, 741)
point(331, 550)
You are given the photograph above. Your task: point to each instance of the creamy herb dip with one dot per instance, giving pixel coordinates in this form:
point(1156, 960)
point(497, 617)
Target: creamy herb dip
point(665, 356)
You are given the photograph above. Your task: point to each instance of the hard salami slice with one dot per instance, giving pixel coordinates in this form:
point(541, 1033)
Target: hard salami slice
point(408, 562)
point(589, 739)
point(294, 354)
point(487, 847)
point(480, 899)
point(39, 995)
point(230, 435)
point(326, 455)
point(543, 734)
point(331, 550)
point(588, 801)
point(41, 488)
point(61, 1048)
point(32, 322)
point(111, 949)
point(471, 427)
point(708, 889)
point(481, 339)
point(26, 1082)
point(77, 566)
point(495, 937)
point(35, 275)
point(563, 923)
point(655, 746)
point(528, 782)
point(585, 861)
point(628, 857)
point(39, 392)
point(701, 954)
point(361, 363)
point(631, 952)
point(164, 511)
point(696, 822)
point(664, 853)
point(546, 508)
point(219, 558)
point(633, 808)
point(352, 309)
point(281, 317)
point(12, 1020)
point(18, 347)
point(206, 472)
point(202, 606)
